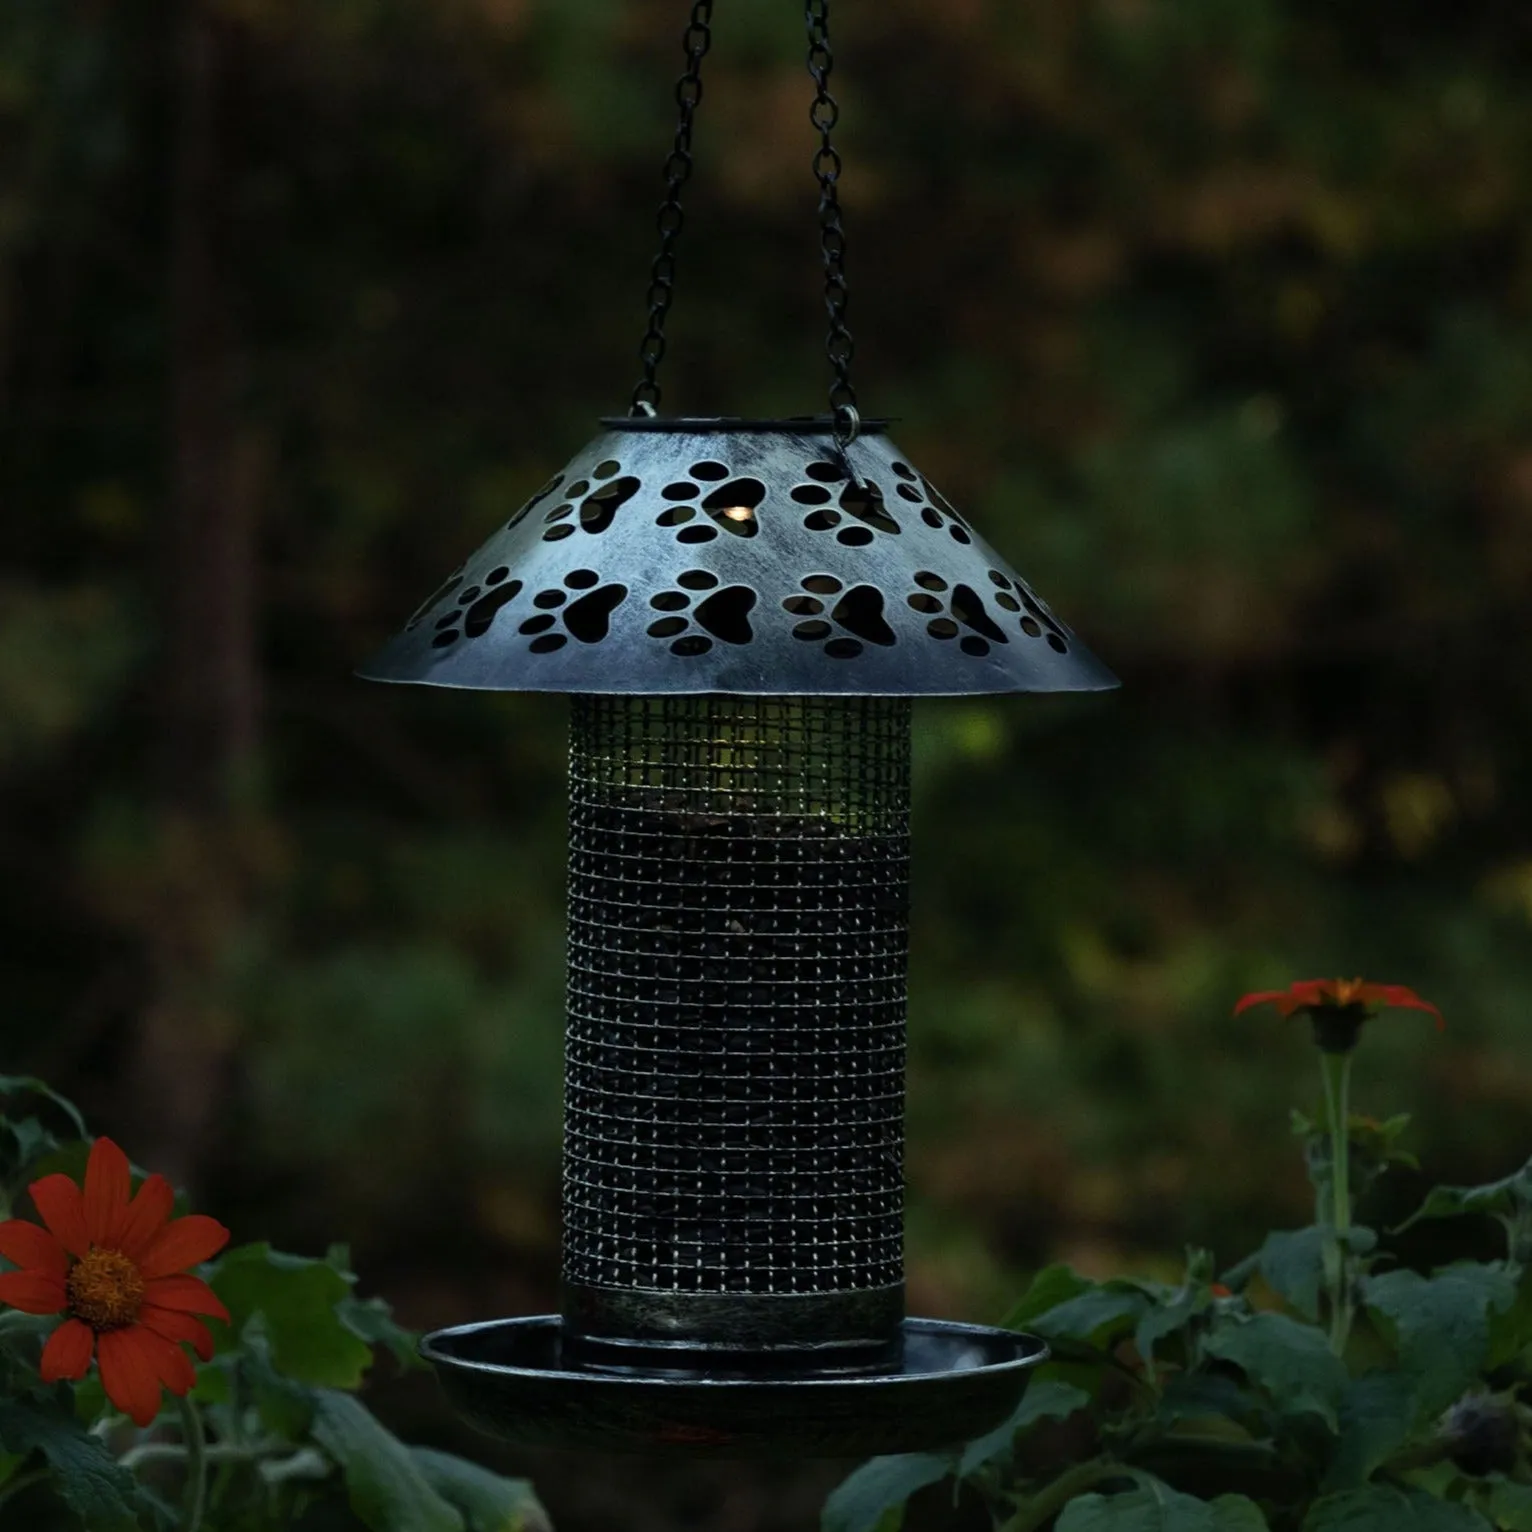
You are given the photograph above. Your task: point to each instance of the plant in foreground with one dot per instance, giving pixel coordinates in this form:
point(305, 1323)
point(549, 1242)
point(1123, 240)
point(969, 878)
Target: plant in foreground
point(267, 1430)
point(1319, 1385)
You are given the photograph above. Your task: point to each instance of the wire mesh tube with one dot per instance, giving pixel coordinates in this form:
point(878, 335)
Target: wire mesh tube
point(734, 1064)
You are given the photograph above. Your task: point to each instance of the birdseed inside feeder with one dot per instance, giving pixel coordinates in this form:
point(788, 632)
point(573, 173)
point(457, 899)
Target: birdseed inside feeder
point(741, 611)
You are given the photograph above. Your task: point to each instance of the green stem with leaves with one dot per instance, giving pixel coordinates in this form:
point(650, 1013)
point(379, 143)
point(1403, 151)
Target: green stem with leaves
point(1335, 1068)
point(196, 1464)
point(22, 1481)
point(1052, 1498)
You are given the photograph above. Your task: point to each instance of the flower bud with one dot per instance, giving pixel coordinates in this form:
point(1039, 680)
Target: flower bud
point(1482, 1434)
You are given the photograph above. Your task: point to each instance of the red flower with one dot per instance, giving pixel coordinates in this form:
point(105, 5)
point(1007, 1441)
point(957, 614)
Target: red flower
point(1338, 1007)
point(117, 1269)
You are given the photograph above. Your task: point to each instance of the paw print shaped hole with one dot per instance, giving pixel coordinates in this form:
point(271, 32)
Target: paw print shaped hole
point(440, 594)
point(586, 618)
point(859, 613)
point(723, 615)
point(536, 499)
point(478, 618)
point(825, 472)
point(600, 508)
point(965, 607)
point(865, 503)
point(1039, 619)
point(709, 471)
point(733, 505)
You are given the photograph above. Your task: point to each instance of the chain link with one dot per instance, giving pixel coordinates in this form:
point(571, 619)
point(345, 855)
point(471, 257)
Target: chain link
point(824, 114)
point(695, 42)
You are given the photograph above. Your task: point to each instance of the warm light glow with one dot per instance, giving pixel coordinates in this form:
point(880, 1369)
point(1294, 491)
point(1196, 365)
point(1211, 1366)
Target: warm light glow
point(739, 512)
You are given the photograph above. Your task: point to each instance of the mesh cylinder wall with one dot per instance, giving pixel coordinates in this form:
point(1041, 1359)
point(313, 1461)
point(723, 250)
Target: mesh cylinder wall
point(734, 1064)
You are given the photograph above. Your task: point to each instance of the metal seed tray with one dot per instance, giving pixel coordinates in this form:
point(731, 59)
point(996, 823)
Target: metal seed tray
point(510, 1378)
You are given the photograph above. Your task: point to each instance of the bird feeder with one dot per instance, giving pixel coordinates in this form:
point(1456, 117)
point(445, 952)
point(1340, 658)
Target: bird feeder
point(741, 612)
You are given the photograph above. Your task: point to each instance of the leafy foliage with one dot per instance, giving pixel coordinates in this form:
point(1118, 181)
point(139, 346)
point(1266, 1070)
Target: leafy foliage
point(274, 1402)
point(1205, 1407)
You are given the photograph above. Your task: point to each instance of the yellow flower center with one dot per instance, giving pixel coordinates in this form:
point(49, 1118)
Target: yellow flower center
point(105, 1290)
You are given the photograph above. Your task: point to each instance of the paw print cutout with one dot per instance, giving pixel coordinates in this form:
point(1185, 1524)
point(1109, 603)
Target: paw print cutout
point(584, 508)
point(437, 596)
point(722, 614)
point(951, 610)
point(586, 617)
point(1036, 620)
point(729, 506)
point(860, 505)
point(857, 611)
point(935, 509)
point(475, 608)
point(536, 500)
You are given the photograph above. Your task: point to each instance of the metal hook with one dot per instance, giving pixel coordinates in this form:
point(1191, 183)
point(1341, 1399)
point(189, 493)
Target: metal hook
point(845, 434)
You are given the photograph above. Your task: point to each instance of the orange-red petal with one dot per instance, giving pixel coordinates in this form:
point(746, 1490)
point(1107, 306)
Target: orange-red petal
point(171, 1364)
point(1280, 998)
point(1402, 997)
point(183, 1243)
point(129, 1374)
point(33, 1292)
point(189, 1295)
point(147, 1215)
point(33, 1248)
point(62, 1208)
point(68, 1351)
point(108, 1179)
point(176, 1326)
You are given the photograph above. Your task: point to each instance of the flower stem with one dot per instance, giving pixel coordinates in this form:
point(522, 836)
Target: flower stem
point(1335, 1069)
point(1052, 1498)
point(22, 1481)
point(196, 1464)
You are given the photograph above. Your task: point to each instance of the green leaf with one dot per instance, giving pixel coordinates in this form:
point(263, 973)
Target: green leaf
point(373, 1320)
point(1506, 1504)
point(1166, 1318)
point(1099, 1316)
point(103, 1494)
point(1291, 1361)
point(299, 1299)
point(1155, 1507)
point(1441, 1325)
point(286, 1407)
point(1382, 1508)
point(1292, 1263)
point(487, 1501)
point(1377, 1413)
point(1052, 1286)
point(11, 1085)
point(386, 1486)
point(1510, 1329)
point(32, 1140)
point(1505, 1196)
point(872, 1499)
point(1045, 1399)
point(1205, 1395)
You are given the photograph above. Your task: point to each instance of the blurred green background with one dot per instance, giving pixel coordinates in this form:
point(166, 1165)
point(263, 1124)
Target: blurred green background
point(1215, 316)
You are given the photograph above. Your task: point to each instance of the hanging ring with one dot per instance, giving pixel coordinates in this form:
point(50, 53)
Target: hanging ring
point(847, 424)
point(642, 407)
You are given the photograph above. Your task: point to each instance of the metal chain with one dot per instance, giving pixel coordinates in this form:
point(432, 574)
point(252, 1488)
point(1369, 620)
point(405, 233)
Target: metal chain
point(695, 42)
point(824, 114)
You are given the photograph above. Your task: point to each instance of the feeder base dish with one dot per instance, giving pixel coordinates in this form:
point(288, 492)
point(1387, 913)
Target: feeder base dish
point(953, 1382)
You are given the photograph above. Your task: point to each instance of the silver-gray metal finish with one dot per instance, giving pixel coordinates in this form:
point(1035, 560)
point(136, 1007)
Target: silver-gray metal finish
point(734, 1057)
point(744, 557)
point(945, 1383)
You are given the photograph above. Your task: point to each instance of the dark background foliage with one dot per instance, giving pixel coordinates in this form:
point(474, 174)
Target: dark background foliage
point(1215, 316)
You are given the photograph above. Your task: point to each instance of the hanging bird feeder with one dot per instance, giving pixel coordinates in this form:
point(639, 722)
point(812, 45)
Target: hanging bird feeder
point(741, 611)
